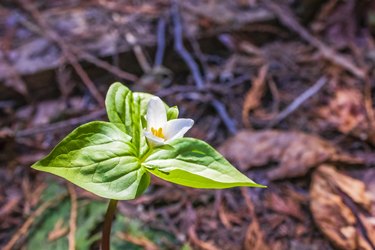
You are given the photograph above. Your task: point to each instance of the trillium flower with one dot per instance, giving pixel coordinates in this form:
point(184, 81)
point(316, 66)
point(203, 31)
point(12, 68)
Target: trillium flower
point(159, 130)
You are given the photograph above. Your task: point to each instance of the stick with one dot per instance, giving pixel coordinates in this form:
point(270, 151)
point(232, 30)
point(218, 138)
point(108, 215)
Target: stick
point(297, 102)
point(193, 66)
point(87, 56)
point(60, 125)
point(220, 108)
point(288, 19)
point(138, 51)
point(67, 53)
point(179, 47)
point(23, 229)
point(104, 65)
point(161, 43)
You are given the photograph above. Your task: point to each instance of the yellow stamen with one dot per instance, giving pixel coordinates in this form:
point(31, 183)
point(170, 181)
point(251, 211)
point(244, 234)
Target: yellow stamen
point(157, 132)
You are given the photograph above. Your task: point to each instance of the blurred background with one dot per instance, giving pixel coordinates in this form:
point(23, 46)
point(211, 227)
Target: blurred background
point(283, 89)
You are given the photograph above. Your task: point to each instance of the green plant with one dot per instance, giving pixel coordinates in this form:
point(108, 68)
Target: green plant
point(143, 136)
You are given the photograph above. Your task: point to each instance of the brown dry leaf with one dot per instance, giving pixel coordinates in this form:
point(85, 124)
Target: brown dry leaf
point(253, 96)
point(341, 208)
point(284, 205)
point(296, 152)
point(254, 238)
point(346, 112)
point(224, 216)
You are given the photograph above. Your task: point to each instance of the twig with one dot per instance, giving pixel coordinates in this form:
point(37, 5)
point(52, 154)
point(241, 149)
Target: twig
point(297, 102)
point(104, 65)
point(14, 80)
point(139, 54)
point(254, 236)
point(193, 66)
point(141, 241)
point(254, 95)
point(368, 103)
point(220, 109)
point(248, 202)
point(179, 47)
point(87, 56)
point(161, 43)
point(207, 88)
point(205, 245)
point(67, 53)
point(9, 207)
point(191, 218)
point(370, 114)
point(60, 125)
point(85, 78)
point(73, 217)
point(288, 19)
point(275, 97)
point(24, 228)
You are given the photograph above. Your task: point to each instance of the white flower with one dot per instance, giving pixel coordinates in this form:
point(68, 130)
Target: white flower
point(159, 130)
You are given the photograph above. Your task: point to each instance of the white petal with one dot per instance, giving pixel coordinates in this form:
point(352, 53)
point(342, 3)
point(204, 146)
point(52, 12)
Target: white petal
point(156, 113)
point(152, 139)
point(176, 128)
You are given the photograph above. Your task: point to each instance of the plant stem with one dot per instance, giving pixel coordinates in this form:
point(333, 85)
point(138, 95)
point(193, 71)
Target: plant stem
point(108, 224)
point(147, 154)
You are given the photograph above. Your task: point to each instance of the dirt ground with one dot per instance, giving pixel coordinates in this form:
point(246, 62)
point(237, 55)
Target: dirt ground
point(283, 89)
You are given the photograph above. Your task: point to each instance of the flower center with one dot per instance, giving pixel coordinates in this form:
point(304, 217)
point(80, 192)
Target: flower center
point(157, 132)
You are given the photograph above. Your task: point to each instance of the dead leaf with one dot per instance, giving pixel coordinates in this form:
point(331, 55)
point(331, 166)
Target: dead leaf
point(224, 216)
point(253, 96)
point(346, 112)
point(284, 205)
point(296, 152)
point(341, 208)
point(254, 238)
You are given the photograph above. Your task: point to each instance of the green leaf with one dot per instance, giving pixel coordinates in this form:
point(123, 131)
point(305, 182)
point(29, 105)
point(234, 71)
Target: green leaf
point(194, 163)
point(138, 141)
point(141, 100)
point(100, 158)
point(126, 110)
point(118, 103)
point(145, 98)
point(172, 113)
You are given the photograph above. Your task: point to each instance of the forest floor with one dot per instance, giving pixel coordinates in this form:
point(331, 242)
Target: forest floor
point(283, 89)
